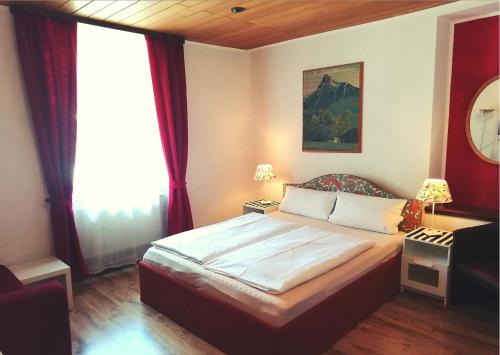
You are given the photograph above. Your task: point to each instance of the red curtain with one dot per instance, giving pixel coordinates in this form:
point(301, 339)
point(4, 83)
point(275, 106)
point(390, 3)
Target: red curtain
point(47, 51)
point(166, 60)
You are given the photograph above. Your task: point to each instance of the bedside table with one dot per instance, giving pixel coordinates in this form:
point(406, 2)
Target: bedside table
point(426, 260)
point(258, 207)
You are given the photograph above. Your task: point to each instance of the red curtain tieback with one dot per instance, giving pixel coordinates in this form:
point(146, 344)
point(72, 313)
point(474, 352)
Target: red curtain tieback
point(177, 184)
point(60, 202)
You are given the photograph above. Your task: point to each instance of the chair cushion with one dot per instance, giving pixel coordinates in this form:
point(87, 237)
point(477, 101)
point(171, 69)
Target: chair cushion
point(484, 270)
point(8, 282)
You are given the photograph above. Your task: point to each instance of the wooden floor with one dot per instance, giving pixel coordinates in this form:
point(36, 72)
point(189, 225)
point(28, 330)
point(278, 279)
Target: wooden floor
point(110, 319)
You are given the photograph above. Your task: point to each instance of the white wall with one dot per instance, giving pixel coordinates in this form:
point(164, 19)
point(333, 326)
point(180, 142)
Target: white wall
point(25, 232)
point(399, 56)
point(222, 159)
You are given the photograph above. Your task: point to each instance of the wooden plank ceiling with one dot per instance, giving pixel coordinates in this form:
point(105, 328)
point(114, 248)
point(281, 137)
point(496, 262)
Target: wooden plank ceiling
point(264, 21)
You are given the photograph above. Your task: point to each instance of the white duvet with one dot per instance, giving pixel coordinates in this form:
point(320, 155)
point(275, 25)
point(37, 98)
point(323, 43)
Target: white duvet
point(265, 252)
point(204, 244)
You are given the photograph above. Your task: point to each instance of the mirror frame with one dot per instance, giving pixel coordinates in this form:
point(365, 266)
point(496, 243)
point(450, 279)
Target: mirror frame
point(467, 122)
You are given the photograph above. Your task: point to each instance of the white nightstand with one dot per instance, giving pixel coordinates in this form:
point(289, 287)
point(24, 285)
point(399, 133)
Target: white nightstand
point(44, 270)
point(258, 207)
point(425, 263)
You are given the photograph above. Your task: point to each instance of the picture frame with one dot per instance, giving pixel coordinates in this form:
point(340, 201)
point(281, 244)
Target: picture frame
point(332, 109)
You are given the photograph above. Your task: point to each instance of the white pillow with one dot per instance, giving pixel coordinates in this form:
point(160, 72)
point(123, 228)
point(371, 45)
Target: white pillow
point(368, 212)
point(307, 202)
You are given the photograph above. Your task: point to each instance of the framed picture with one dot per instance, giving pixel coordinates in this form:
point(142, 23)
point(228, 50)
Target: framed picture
point(332, 109)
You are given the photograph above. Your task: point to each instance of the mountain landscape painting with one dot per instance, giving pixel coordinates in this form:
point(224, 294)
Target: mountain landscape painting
point(332, 109)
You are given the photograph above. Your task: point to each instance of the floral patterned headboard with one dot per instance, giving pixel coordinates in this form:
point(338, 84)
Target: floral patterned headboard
point(412, 212)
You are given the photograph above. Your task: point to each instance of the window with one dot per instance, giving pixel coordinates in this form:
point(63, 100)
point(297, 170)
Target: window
point(120, 170)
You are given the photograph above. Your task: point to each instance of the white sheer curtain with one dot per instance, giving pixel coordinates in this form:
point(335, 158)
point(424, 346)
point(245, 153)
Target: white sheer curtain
point(120, 171)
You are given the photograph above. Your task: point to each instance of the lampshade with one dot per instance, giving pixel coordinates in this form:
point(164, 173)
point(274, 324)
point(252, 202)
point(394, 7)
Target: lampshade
point(434, 190)
point(264, 172)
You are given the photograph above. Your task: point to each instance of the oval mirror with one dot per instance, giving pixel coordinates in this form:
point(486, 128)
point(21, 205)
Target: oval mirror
point(482, 124)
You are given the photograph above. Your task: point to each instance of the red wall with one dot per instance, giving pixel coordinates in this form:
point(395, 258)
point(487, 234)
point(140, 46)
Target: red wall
point(473, 182)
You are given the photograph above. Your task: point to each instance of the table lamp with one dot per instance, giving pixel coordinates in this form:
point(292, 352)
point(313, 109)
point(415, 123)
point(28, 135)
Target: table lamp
point(435, 191)
point(264, 172)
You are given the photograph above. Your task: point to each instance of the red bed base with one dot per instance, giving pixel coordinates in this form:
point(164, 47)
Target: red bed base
point(236, 332)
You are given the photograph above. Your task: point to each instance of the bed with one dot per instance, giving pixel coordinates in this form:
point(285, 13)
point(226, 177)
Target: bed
point(307, 319)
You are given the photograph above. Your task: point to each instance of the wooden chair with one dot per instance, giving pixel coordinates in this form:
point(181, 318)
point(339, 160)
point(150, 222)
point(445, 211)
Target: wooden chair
point(475, 264)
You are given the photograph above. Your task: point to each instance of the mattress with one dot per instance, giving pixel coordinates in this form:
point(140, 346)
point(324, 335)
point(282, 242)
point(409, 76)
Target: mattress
point(277, 310)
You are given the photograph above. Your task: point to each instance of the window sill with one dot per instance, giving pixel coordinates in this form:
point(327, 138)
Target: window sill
point(482, 214)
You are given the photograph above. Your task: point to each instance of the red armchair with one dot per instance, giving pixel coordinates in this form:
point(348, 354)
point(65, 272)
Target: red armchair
point(33, 320)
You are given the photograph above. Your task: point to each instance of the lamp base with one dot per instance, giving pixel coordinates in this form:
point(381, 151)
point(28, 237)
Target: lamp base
point(432, 232)
point(265, 202)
